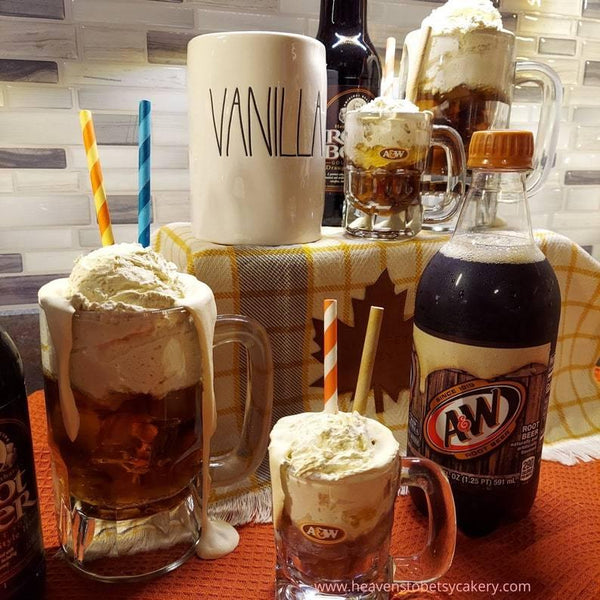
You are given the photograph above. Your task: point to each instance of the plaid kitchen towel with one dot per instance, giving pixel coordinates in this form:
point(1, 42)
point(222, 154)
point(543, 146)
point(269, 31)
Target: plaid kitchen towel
point(283, 288)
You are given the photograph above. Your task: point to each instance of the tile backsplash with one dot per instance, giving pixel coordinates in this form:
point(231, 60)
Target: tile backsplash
point(58, 56)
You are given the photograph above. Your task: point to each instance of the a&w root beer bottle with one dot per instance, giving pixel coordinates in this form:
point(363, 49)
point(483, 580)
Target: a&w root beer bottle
point(486, 319)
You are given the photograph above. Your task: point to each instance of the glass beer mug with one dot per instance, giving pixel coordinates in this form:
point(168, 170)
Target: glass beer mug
point(466, 80)
point(130, 417)
point(385, 157)
point(333, 517)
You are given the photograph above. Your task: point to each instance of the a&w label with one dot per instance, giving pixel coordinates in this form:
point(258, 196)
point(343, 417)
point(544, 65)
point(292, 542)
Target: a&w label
point(478, 412)
point(394, 153)
point(323, 534)
point(473, 418)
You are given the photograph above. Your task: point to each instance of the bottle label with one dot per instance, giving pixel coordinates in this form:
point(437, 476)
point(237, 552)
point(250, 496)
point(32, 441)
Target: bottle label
point(483, 423)
point(19, 516)
point(342, 98)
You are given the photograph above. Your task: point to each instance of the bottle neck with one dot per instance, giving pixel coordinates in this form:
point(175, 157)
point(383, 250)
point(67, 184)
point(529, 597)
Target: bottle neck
point(497, 203)
point(345, 16)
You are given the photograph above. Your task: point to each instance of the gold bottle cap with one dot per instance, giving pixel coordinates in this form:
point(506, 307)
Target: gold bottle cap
point(501, 149)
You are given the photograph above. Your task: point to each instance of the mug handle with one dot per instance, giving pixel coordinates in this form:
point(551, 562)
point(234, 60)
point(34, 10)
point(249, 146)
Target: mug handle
point(435, 559)
point(450, 141)
point(241, 461)
point(547, 79)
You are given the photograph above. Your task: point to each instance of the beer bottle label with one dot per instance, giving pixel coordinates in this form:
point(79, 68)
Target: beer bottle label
point(342, 98)
point(19, 516)
point(483, 424)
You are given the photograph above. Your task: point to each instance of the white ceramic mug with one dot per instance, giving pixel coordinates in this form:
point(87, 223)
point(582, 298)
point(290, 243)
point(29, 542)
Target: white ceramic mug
point(257, 103)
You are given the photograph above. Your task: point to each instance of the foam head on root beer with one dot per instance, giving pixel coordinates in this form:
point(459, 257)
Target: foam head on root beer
point(486, 320)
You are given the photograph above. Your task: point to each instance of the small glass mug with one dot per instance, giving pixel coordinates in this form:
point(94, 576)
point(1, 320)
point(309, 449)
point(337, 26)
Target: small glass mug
point(467, 81)
point(385, 157)
point(127, 483)
point(343, 557)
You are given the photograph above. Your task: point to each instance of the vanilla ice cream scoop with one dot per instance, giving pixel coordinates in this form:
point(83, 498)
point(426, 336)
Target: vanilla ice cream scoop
point(463, 16)
point(124, 277)
point(332, 446)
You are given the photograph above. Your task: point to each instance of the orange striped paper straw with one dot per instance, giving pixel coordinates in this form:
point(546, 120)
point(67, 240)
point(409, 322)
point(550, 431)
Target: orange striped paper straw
point(96, 177)
point(330, 355)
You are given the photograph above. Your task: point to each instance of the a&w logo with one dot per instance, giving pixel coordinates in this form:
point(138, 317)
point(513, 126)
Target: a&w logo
point(394, 153)
point(473, 418)
point(323, 534)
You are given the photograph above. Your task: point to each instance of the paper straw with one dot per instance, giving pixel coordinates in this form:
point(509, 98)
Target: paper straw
point(415, 73)
point(330, 391)
point(367, 361)
point(96, 177)
point(387, 81)
point(144, 206)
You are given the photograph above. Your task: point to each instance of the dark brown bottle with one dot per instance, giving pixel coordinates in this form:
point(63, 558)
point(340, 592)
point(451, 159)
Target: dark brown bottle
point(21, 549)
point(353, 78)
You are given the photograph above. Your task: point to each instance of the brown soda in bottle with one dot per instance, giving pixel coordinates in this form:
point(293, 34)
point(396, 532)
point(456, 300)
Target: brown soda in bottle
point(487, 310)
point(22, 563)
point(353, 79)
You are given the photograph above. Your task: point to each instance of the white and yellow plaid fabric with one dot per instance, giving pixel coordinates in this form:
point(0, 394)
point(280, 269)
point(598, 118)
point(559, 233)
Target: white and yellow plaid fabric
point(283, 288)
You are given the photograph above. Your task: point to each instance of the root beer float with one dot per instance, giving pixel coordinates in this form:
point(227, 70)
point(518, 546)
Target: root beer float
point(467, 72)
point(129, 442)
point(334, 478)
point(461, 66)
point(387, 142)
point(127, 357)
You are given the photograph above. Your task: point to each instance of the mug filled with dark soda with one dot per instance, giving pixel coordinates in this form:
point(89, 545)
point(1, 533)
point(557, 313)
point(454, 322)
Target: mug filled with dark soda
point(131, 411)
point(466, 78)
point(386, 146)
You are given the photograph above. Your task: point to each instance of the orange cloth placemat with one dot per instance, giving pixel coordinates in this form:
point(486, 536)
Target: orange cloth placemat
point(555, 551)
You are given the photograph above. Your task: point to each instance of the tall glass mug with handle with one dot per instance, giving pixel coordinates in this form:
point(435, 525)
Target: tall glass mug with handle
point(386, 147)
point(130, 416)
point(335, 480)
point(466, 79)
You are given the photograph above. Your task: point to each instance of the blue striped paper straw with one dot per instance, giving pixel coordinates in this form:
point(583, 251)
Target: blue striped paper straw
point(144, 207)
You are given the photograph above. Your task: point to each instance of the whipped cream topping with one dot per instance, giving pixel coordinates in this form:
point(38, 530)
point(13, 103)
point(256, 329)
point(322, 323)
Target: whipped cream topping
point(124, 277)
point(468, 48)
point(463, 16)
point(332, 446)
point(384, 104)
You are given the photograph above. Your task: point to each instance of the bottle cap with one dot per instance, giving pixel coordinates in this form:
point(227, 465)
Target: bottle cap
point(501, 149)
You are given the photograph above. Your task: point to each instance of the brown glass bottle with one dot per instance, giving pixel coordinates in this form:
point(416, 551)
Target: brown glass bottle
point(21, 548)
point(353, 78)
